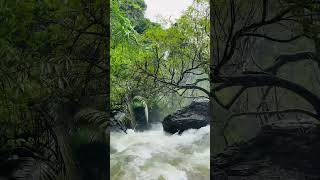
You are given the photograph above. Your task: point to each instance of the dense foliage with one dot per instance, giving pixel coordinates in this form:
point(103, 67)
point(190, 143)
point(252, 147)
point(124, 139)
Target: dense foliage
point(53, 86)
point(155, 62)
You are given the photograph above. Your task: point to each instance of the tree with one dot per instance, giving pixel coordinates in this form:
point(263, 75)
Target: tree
point(179, 56)
point(240, 31)
point(53, 66)
point(158, 64)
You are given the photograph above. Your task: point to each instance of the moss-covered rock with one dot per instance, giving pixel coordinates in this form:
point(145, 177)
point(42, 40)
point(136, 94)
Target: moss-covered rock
point(139, 110)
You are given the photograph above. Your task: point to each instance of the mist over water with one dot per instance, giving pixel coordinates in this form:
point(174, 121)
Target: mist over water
point(156, 155)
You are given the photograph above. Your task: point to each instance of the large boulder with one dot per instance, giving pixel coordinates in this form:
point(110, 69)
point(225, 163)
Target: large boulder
point(287, 149)
point(194, 116)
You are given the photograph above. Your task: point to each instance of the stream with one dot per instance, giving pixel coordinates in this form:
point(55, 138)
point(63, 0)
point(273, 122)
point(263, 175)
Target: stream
point(156, 155)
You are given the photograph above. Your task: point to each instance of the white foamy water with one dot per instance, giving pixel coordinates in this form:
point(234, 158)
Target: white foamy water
point(155, 155)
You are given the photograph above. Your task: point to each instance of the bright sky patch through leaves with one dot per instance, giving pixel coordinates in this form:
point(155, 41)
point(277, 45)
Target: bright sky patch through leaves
point(165, 8)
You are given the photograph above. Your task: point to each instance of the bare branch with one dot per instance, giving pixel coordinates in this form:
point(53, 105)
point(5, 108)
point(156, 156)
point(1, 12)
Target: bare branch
point(271, 38)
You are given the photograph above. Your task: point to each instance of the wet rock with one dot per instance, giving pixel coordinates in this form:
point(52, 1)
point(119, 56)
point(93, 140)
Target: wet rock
point(286, 149)
point(141, 119)
point(194, 116)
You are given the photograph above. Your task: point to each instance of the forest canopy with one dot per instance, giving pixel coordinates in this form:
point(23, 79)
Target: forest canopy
point(150, 60)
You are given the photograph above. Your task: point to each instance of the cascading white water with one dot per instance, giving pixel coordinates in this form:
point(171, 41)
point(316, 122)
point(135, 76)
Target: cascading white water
point(155, 155)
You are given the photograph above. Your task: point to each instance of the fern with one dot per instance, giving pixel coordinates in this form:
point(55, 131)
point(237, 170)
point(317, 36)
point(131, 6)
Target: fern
point(34, 169)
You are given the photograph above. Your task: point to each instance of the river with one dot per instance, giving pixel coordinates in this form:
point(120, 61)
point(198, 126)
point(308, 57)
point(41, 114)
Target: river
point(156, 155)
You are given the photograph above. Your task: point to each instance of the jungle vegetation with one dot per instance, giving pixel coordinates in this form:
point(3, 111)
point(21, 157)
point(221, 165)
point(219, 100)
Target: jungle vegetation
point(54, 89)
point(55, 78)
point(161, 64)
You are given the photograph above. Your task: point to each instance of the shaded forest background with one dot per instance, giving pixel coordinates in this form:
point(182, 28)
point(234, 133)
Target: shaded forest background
point(54, 89)
point(264, 66)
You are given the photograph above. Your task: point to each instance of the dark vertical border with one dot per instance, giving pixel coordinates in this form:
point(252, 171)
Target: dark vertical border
point(107, 51)
point(211, 86)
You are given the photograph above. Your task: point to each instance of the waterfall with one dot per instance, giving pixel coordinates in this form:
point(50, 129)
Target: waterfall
point(156, 155)
point(146, 113)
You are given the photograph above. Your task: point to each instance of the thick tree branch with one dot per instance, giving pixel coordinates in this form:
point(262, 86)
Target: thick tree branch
point(259, 80)
point(233, 99)
point(177, 85)
point(284, 59)
point(301, 111)
point(271, 38)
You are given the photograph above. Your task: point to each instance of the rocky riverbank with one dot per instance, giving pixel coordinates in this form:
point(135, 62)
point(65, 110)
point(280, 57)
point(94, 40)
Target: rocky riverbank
point(287, 149)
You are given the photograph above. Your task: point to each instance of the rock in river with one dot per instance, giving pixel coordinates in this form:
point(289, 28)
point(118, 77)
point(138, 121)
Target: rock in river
point(286, 150)
point(194, 116)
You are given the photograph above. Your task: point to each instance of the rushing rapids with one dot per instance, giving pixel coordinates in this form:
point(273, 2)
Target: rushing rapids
point(156, 155)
